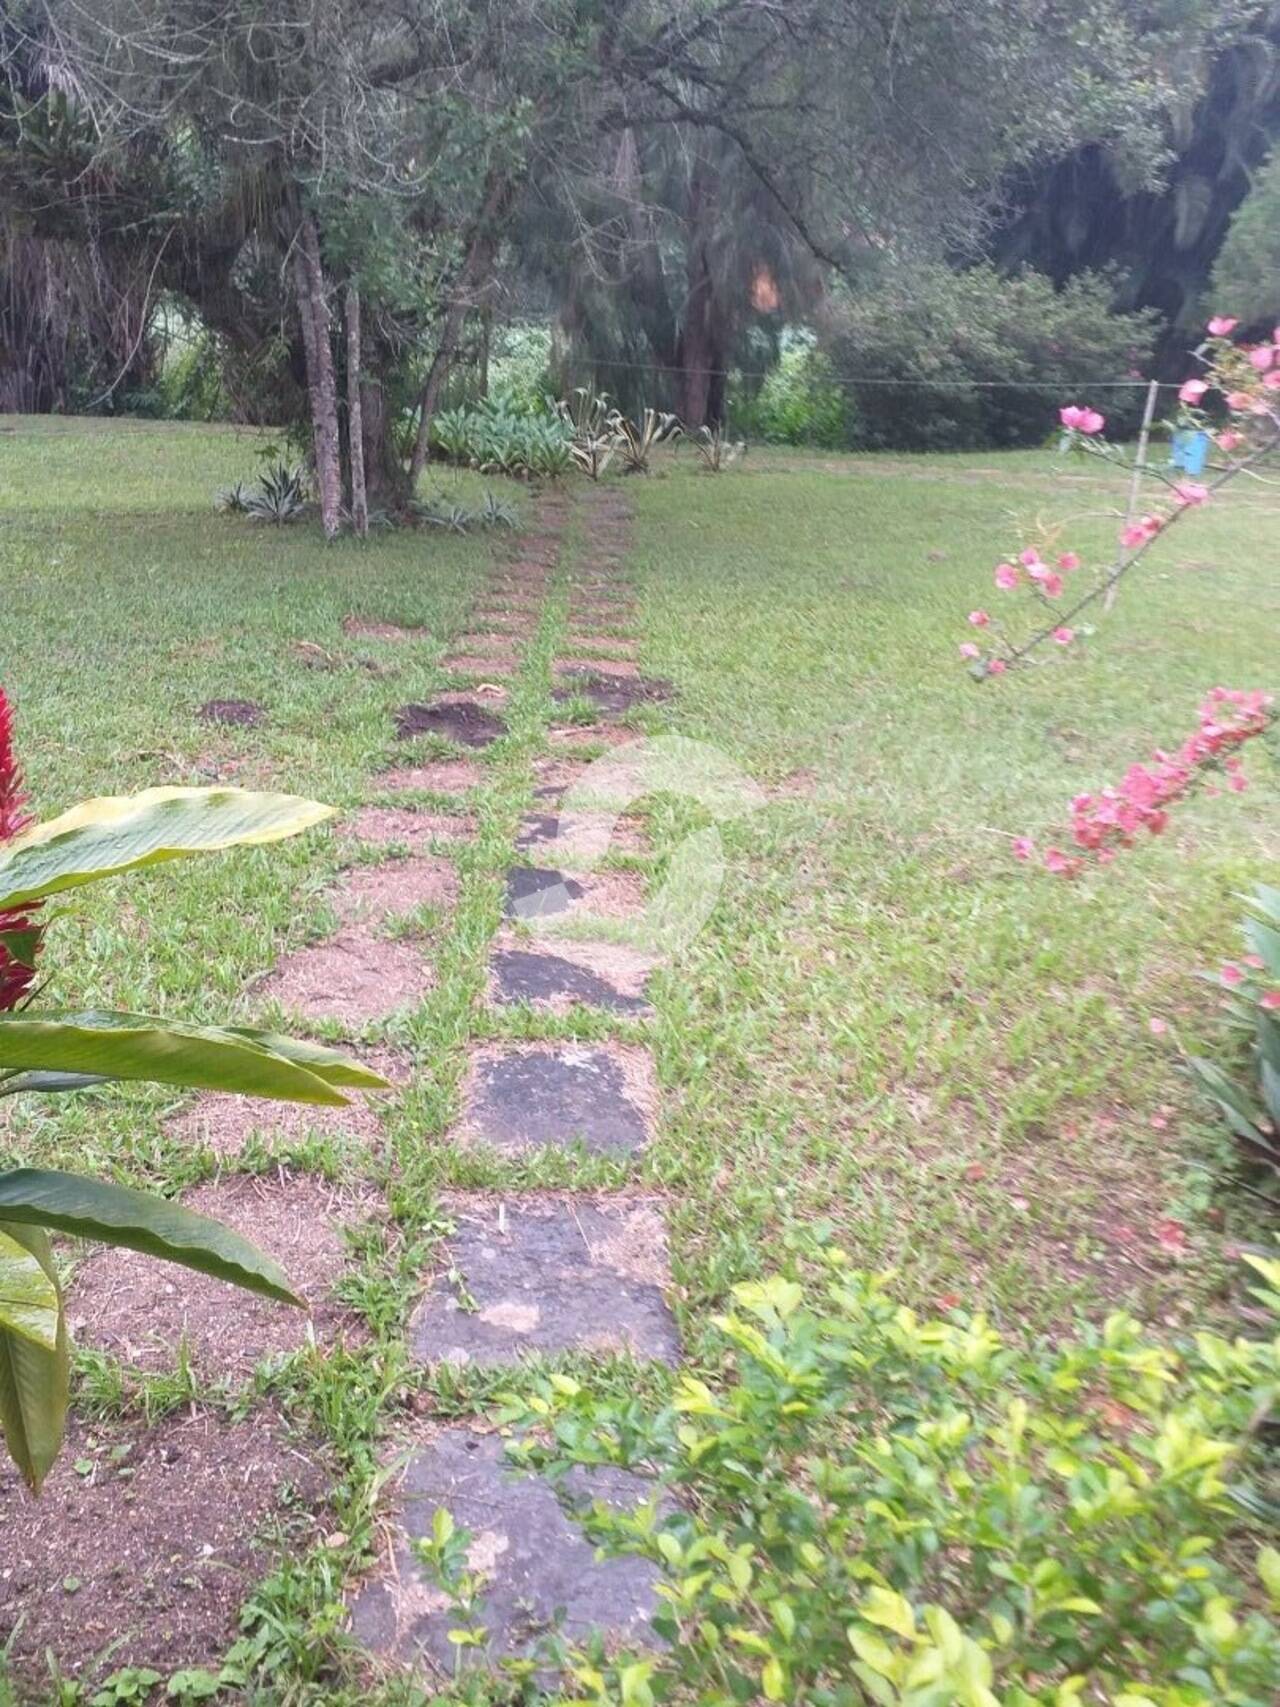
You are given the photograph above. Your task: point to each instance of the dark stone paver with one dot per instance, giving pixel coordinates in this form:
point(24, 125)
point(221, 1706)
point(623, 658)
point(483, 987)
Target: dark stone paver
point(245, 712)
point(563, 1095)
point(463, 721)
point(534, 1556)
point(548, 979)
point(610, 692)
point(549, 1276)
point(535, 891)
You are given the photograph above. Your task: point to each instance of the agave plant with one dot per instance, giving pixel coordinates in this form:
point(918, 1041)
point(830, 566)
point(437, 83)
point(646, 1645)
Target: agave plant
point(593, 442)
point(637, 439)
point(234, 500)
point(716, 450)
point(280, 498)
point(54, 1051)
point(495, 512)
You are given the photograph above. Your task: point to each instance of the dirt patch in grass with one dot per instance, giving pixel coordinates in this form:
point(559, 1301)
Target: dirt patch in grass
point(146, 1542)
point(384, 826)
point(371, 629)
point(579, 737)
point(143, 1312)
point(495, 645)
point(375, 893)
point(446, 776)
point(610, 646)
point(352, 979)
point(603, 669)
point(226, 1123)
point(487, 667)
point(575, 839)
point(455, 718)
point(245, 713)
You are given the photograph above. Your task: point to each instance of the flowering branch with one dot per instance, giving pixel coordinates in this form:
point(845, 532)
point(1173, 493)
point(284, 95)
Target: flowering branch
point(1246, 378)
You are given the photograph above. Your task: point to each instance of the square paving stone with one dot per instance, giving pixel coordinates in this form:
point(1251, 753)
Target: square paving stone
point(563, 973)
point(352, 978)
point(576, 838)
point(536, 892)
point(561, 1094)
point(460, 720)
point(545, 1275)
point(534, 1558)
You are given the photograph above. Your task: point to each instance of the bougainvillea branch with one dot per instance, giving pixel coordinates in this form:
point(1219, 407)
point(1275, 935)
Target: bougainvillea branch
point(1248, 381)
point(1103, 824)
point(19, 933)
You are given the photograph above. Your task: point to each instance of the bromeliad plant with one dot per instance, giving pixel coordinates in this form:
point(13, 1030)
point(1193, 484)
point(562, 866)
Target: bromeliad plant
point(53, 1052)
point(637, 440)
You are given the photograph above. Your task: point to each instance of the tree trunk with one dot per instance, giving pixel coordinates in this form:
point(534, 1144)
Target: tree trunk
point(355, 417)
point(386, 484)
point(322, 386)
point(499, 194)
point(698, 341)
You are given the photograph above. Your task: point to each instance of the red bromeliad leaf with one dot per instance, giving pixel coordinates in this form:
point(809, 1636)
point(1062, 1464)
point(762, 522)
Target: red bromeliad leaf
point(16, 969)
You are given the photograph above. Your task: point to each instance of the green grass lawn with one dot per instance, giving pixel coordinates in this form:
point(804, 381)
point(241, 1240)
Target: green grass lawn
point(888, 1029)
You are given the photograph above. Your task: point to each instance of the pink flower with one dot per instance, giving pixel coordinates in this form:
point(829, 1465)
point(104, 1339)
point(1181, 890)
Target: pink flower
point(1222, 326)
point(979, 618)
point(1270, 1001)
point(1255, 962)
point(1191, 492)
point(1229, 439)
point(1271, 381)
point(1262, 357)
point(1078, 419)
point(1023, 847)
point(1231, 974)
point(1069, 560)
point(1193, 390)
point(1030, 558)
point(1139, 532)
point(1157, 1027)
point(1059, 863)
point(1006, 576)
point(1064, 636)
point(997, 667)
point(1239, 401)
point(969, 650)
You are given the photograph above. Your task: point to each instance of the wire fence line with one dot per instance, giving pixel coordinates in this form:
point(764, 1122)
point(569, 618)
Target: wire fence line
point(846, 382)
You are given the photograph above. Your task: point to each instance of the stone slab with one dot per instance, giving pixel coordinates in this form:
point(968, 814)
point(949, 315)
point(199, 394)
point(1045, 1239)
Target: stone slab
point(537, 1562)
point(561, 1094)
point(547, 1275)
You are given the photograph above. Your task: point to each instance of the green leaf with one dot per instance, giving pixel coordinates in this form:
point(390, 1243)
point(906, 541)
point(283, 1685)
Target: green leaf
point(34, 1380)
point(22, 945)
point(1269, 1571)
point(117, 1215)
point(28, 1298)
point(99, 838)
point(330, 1065)
point(198, 1057)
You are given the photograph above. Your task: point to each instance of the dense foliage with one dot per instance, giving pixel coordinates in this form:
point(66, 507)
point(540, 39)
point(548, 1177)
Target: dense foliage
point(1246, 275)
point(873, 1508)
point(936, 360)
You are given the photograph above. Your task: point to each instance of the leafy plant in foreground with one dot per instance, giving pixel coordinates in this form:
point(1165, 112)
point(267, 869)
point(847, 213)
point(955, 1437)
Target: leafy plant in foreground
point(49, 1052)
point(636, 440)
point(874, 1510)
point(1252, 1108)
point(280, 496)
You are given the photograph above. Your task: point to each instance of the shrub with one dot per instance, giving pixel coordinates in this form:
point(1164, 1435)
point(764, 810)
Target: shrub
point(870, 1508)
point(495, 440)
point(1246, 274)
point(967, 335)
point(800, 402)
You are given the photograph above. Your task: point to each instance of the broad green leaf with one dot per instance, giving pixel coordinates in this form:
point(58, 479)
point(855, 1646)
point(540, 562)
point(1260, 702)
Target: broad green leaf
point(28, 1298)
point(99, 838)
point(117, 1215)
point(46, 1083)
point(22, 945)
point(165, 1052)
point(34, 1381)
point(331, 1065)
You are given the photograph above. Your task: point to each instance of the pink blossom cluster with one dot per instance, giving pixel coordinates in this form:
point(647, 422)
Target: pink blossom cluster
point(1243, 979)
point(1103, 823)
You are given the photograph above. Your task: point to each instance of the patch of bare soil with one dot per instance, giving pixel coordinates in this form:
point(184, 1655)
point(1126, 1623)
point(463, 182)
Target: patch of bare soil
point(351, 978)
point(143, 1311)
point(445, 776)
point(146, 1542)
point(574, 737)
point(485, 665)
point(375, 893)
point(612, 646)
point(454, 717)
point(226, 1123)
point(385, 826)
point(246, 713)
point(496, 645)
point(369, 628)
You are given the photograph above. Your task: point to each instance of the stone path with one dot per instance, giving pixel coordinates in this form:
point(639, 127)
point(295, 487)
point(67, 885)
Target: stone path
point(521, 1273)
